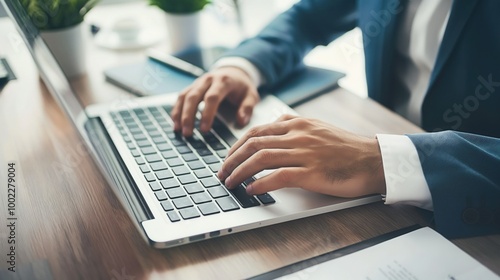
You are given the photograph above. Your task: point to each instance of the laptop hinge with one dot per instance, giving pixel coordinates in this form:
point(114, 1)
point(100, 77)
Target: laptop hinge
point(117, 170)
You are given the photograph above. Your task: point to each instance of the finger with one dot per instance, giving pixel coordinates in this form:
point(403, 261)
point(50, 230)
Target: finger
point(191, 102)
point(288, 177)
point(213, 98)
point(251, 147)
point(275, 129)
point(286, 117)
point(262, 160)
point(177, 109)
point(246, 107)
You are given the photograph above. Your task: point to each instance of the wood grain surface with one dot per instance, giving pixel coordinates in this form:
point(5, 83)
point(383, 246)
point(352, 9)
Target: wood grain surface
point(71, 226)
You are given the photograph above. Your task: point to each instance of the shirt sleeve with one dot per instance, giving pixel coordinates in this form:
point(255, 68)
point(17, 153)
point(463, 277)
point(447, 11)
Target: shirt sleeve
point(243, 64)
point(404, 177)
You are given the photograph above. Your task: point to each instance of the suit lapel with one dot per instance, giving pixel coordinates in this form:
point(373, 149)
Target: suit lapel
point(460, 13)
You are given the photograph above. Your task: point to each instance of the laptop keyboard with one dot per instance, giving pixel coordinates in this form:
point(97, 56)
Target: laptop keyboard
point(182, 171)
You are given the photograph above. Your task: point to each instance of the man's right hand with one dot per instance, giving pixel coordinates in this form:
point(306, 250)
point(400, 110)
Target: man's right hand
point(229, 83)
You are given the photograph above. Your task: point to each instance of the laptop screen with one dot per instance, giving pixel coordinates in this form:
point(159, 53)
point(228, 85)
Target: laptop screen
point(49, 69)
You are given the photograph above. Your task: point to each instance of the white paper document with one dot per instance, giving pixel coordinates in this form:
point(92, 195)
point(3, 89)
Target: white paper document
point(419, 255)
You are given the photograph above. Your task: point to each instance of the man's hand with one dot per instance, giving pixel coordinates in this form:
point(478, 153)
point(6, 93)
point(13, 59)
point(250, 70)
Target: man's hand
point(307, 154)
point(229, 83)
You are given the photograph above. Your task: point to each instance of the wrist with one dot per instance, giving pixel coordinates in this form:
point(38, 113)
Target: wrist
point(374, 172)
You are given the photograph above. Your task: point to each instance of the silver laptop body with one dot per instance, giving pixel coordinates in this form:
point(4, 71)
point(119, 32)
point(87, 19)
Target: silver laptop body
point(161, 204)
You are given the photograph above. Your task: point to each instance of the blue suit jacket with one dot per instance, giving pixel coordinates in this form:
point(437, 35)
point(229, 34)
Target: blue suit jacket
point(461, 169)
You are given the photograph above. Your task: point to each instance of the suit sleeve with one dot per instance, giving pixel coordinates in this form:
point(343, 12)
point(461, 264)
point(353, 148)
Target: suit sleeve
point(279, 48)
point(463, 174)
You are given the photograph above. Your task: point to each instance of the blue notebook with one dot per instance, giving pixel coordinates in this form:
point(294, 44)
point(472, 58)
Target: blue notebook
point(151, 77)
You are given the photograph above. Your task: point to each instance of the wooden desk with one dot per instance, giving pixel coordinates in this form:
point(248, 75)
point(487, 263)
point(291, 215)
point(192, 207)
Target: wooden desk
point(71, 226)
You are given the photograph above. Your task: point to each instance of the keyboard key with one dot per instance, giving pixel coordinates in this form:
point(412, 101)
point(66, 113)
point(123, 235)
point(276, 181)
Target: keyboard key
point(210, 182)
point(208, 208)
point(227, 204)
point(158, 166)
point(266, 198)
point(201, 198)
point(222, 153)
point(150, 177)
point(139, 160)
point(154, 133)
point(195, 165)
point(153, 158)
point(140, 136)
point(150, 127)
point(155, 186)
point(164, 174)
point(203, 173)
point(135, 152)
point(204, 152)
point(218, 146)
point(215, 167)
point(169, 183)
point(193, 188)
point(143, 143)
point(189, 213)
point(144, 168)
point(210, 159)
point(135, 130)
point(183, 149)
point(181, 170)
point(148, 150)
point(243, 198)
point(189, 157)
point(161, 195)
point(127, 139)
point(164, 147)
point(182, 202)
point(173, 216)
point(131, 146)
point(167, 205)
point(174, 162)
point(217, 192)
point(169, 154)
point(159, 140)
point(177, 142)
point(176, 192)
point(187, 179)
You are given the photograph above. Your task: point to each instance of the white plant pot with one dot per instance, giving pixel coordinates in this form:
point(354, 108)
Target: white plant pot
point(183, 30)
point(68, 47)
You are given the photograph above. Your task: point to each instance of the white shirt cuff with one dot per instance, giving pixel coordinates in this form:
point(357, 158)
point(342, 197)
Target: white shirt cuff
point(244, 65)
point(404, 177)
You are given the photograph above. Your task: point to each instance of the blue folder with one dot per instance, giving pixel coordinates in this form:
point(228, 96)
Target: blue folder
point(150, 77)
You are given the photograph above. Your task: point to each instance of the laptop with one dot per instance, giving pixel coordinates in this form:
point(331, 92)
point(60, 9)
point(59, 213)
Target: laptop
point(167, 183)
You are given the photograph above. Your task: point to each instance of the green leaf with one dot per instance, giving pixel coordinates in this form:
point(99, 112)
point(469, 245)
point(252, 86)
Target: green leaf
point(180, 6)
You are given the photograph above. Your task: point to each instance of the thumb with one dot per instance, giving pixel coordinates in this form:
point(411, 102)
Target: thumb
point(246, 108)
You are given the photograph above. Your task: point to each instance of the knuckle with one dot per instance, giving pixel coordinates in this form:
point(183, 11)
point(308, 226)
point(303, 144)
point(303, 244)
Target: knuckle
point(264, 156)
point(192, 98)
point(253, 132)
point(253, 144)
point(284, 176)
point(212, 98)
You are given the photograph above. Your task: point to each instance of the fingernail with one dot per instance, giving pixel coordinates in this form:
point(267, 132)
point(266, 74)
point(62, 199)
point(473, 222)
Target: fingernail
point(185, 130)
point(250, 189)
point(228, 182)
point(177, 126)
point(204, 126)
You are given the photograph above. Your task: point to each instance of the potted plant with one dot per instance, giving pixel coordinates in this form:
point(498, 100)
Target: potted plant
point(182, 17)
point(60, 25)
